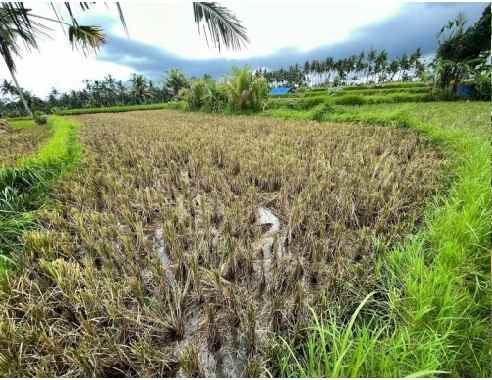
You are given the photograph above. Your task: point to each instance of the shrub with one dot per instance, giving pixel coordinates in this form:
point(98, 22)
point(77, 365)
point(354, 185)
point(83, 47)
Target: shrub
point(319, 112)
point(195, 95)
point(40, 118)
point(310, 102)
point(246, 91)
point(205, 95)
point(215, 97)
point(350, 100)
point(483, 86)
point(300, 104)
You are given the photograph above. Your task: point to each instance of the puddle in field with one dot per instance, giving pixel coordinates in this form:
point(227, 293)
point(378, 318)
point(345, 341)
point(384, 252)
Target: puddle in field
point(231, 358)
point(161, 248)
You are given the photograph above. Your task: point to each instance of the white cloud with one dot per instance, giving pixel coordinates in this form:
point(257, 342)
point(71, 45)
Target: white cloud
point(272, 25)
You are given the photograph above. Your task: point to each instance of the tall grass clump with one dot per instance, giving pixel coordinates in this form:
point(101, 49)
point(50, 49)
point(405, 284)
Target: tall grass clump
point(432, 314)
point(22, 187)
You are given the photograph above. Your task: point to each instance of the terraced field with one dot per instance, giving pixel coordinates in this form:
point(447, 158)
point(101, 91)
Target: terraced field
point(185, 242)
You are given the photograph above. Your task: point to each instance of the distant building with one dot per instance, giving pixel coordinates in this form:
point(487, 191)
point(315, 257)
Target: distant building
point(280, 91)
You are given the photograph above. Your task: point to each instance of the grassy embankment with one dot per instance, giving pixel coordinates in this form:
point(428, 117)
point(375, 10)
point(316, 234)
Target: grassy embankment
point(23, 186)
point(357, 95)
point(116, 109)
point(432, 313)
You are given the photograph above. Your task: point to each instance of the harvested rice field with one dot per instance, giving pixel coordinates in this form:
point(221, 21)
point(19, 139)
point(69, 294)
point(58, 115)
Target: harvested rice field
point(185, 243)
point(19, 142)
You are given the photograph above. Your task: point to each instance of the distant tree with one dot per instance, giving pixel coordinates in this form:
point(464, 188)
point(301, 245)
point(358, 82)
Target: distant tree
point(176, 80)
point(463, 52)
point(20, 26)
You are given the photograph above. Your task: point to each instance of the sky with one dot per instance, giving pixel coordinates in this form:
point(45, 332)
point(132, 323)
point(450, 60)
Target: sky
point(162, 35)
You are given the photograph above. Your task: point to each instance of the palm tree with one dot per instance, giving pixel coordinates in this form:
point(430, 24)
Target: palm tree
point(176, 80)
point(380, 64)
point(371, 56)
point(393, 68)
point(15, 27)
point(19, 25)
point(139, 88)
point(404, 66)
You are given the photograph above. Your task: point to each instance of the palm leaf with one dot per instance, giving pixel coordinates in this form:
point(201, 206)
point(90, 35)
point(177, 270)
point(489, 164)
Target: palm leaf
point(223, 26)
point(86, 38)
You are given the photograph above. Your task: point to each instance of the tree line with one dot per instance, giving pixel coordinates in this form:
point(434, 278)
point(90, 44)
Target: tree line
point(21, 28)
point(370, 66)
point(106, 92)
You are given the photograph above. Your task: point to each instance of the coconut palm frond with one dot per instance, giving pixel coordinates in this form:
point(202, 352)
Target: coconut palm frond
point(223, 26)
point(15, 28)
point(86, 38)
point(122, 17)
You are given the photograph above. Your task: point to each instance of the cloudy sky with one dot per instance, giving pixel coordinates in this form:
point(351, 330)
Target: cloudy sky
point(282, 32)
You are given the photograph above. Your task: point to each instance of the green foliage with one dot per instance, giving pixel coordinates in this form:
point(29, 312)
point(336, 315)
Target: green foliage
point(246, 92)
point(116, 109)
point(23, 188)
point(460, 44)
point(349, 98)
point(296, 103)
point(388, 86)
point(40, 118)
point(243, 91)
point(205, 95)
point(320, 111)
point(483, 81)
point(353, 100)
point(464, 54)
point(176, 81)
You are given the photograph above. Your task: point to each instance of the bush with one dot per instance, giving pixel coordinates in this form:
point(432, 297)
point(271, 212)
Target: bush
point(56, 110)
point(246, 92)
point(195, 95)
point(299, 104)
point(319, 112)
point(349, 100)
point(205, 95)
point(483, 86)
point(400, 97)
point(40, 118)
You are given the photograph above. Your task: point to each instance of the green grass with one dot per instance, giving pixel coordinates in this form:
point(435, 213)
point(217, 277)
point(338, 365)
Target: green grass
point(432, 313)
point(21, 123)
point(19, 118)
point(356, 91)
point(388, 85)
point(23, 187)
point(116, 109)
point(308, 102)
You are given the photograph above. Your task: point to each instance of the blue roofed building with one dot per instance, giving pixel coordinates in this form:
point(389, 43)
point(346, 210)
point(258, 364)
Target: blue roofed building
point(280, 91)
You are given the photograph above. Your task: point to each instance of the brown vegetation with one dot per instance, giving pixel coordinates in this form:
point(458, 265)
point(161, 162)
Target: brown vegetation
point(164, 257)
point(16, 143)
